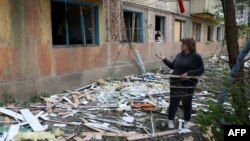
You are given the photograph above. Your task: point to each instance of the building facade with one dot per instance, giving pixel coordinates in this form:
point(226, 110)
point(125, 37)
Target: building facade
point(54, 45)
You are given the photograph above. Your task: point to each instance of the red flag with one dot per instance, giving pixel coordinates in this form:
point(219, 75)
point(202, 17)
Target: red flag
point(181, 6)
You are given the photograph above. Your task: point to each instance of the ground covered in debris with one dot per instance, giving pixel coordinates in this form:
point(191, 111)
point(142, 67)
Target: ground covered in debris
point(134, 108)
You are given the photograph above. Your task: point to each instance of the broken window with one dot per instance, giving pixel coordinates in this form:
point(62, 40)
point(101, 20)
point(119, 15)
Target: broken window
point(179, 30)
point(219, 34)
point(159, 29)
point(197, 32)
point(74, 23)
point(134, 26)
point(240, 11)
point(210, 33)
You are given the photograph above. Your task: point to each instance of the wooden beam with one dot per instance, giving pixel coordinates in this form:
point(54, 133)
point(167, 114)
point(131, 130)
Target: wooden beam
point(78, 139)
point(92, 135)
point(61, 99)
point(76, 100)
point(61, 122)
point(49, 106)
point(145, 136)
point(96, 129)
point(110, 134)
point(188, 77)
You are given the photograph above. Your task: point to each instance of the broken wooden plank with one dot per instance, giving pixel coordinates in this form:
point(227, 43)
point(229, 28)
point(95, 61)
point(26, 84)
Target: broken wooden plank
point(48, 106)
point(32, 120)
point(102, 107)
point(61, 99)
point(70, 102)
point(12, 114)
point(144, 136)
point(76, 100)
point(111, 121)
point(71, 136)
point(88, 137)
point(104, 126)
point(85, 87)
point(73, 92)
point(96, 129)
point(93, 128)
point(94, 135)
point(84, 120)
point(87, 95)
point(110, 134)
point(78, 139)
point(178, 76)
point(68, 123)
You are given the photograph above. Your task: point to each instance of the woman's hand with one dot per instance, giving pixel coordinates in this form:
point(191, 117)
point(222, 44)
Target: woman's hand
point(160, 56)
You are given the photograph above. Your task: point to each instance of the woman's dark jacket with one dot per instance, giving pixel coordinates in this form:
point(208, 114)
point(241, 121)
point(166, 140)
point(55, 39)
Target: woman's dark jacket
point(192, 64)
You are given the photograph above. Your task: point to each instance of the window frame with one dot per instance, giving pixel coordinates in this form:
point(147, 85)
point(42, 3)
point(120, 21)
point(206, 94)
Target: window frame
point(141, 17)
point(211, 33)
point(239, 11)
point(183, 30)
point(164, 27)
point(82, 22)
point(219, 34)
point(197, 27)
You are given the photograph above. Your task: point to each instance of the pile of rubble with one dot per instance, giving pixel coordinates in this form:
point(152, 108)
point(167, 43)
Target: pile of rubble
point(134, 108)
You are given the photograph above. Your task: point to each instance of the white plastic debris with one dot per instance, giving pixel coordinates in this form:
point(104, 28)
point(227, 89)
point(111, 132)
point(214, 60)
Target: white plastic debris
point(128, 119)
point(59, 125)
point(84, 102)
point(183, 130)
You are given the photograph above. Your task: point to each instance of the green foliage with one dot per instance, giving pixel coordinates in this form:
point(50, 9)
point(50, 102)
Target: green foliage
point(243, 30)
point(37, 98)
point(242, 1)
point(6, 99)
point(217, 16)
point(219, 115)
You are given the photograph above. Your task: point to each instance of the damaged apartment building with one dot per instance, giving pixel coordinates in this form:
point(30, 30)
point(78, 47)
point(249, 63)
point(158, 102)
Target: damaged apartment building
point(47, 46)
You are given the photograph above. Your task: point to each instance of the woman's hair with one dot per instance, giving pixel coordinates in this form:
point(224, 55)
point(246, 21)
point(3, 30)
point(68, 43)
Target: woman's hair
point(190, 43)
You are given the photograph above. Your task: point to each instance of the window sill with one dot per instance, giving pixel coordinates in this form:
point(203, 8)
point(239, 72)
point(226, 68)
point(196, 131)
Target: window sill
point(136, 43)
point(209, 42)
point(75, 46)
point(160, 42)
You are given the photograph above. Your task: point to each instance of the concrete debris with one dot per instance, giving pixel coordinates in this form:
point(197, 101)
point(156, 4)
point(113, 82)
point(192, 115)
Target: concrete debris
point(141, 101)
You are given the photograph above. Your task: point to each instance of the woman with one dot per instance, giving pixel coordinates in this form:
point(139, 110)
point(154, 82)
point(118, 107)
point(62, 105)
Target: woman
point(186, 63)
